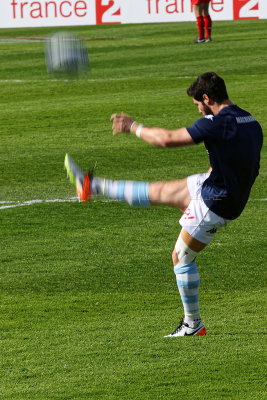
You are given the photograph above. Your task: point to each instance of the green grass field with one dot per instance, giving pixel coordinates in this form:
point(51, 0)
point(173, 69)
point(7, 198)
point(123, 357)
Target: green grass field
point(87, 290)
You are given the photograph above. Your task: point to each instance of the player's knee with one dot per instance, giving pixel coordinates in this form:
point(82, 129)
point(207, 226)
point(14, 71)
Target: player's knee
point(156, 189)
point(182, 254)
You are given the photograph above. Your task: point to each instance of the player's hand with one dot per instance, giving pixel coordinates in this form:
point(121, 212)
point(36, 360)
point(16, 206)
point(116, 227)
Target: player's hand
point(121, 123)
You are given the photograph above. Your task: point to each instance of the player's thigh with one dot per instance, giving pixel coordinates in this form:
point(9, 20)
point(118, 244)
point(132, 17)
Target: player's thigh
point(204, 9)
point(197, 10)
point(200, 222)
point(173, 193)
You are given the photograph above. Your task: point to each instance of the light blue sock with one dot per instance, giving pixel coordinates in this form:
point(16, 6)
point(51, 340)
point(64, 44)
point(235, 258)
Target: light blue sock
point(133, 192)
point(188, 283)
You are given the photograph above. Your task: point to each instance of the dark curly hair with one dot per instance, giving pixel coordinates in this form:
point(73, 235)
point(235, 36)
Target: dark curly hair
point(211, 85)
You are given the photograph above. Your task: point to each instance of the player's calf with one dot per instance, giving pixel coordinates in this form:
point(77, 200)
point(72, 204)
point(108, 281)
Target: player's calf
point(188, 282)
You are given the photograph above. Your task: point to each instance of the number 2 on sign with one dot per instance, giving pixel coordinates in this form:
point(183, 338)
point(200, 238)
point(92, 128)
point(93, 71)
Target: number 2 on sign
point(246, 9)
point(108, 12)
point(250, 10)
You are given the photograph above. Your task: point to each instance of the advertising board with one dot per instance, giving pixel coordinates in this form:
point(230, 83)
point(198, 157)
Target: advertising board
point(38, 13)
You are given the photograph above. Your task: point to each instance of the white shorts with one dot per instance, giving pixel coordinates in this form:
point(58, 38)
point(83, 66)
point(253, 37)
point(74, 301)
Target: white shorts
point(198, 220)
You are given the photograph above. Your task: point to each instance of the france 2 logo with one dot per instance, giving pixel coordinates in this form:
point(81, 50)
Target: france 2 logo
point(248, 9)
point(108, 12)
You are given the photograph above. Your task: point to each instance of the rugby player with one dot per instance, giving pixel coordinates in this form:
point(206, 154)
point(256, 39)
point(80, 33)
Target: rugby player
point(209, 201)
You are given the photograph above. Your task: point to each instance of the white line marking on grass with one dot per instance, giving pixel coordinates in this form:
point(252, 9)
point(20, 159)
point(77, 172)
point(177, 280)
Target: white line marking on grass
point(257, 200)
point(14, 204)
point(12, 80)
point(38, 39)
point(125, 78)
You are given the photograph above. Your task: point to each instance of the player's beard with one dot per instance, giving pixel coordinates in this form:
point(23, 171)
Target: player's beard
point(207, 110)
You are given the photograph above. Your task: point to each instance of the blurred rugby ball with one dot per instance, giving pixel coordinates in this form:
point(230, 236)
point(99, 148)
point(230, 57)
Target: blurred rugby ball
point(66, 54)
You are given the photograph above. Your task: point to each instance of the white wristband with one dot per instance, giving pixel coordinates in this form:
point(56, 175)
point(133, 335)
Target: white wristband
point(138, 130)
point(131, 127)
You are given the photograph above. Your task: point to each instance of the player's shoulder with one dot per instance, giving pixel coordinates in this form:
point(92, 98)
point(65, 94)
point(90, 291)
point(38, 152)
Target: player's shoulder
point(239, 115)
point(233, 111)
point(229, 115)
point(207, 120)
point(205, 123)
point(209, 117)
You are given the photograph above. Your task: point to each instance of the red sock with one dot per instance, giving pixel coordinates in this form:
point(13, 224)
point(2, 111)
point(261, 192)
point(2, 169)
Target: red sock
point(208, 24)
point(200, 27)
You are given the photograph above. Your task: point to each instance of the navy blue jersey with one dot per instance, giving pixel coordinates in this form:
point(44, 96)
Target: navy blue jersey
point(233, 139)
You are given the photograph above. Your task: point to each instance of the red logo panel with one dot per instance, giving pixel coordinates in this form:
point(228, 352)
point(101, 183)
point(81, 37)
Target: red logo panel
point(246, 9)
point(108, 12)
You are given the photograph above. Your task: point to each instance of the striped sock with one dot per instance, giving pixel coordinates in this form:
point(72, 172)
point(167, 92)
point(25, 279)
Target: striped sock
point(134, 193)
point(188, 282)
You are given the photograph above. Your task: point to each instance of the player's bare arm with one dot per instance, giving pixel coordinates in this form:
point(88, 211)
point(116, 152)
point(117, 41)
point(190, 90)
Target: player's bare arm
point(155, 136)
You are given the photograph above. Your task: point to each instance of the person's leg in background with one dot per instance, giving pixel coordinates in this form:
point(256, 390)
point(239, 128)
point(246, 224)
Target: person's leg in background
point(207, 21)
point(200, 23)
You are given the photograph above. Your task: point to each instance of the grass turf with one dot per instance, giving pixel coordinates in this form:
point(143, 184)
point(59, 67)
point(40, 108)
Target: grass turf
point(87, 291)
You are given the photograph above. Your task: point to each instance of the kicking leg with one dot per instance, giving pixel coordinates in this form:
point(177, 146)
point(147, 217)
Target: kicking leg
point(173, 193)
